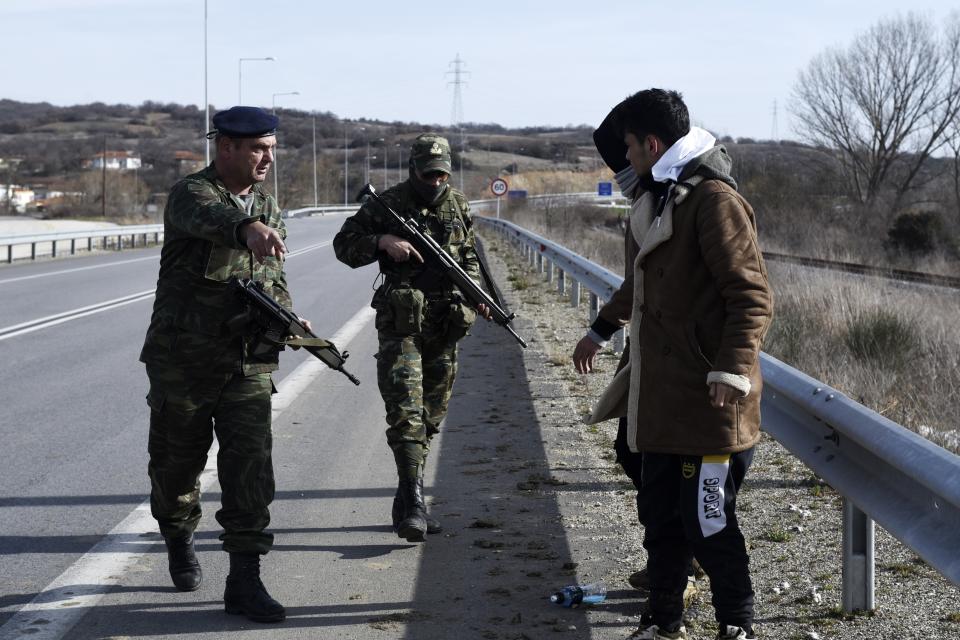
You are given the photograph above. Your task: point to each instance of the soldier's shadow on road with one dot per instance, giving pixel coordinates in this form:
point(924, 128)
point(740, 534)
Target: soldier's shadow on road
point(504, 549)
point(190, 617)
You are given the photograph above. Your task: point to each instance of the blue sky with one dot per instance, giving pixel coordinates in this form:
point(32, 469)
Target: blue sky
point(529, 63)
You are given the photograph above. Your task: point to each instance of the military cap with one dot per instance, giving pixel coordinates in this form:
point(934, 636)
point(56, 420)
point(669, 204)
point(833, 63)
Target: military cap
point(431, 152)
point(244, 122)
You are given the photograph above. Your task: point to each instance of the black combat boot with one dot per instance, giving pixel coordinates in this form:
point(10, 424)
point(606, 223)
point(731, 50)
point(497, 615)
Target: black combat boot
point(433, 525)
point(184, 566)
point(413, 524)
point(245, 593)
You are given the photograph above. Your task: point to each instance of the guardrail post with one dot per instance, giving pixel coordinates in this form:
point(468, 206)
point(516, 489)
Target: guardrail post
point(9, 254)
point(574, 293)
point(618, 341)
point(33, 250)
point(539, 262)
point(858, 566)
point(561, 281)
point(73, 246)
point(532, 255)
point(594, 306)
point(90, 243)
point(549, 269)
point(119, 243)
point(53, 249)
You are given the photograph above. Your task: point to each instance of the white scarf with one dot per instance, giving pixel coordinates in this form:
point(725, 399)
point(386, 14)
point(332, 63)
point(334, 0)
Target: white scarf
point(697, 142)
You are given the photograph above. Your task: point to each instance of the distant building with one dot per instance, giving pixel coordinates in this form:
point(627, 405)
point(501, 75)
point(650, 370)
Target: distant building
point(188, 162)
point(115, 161)
point(19, 197)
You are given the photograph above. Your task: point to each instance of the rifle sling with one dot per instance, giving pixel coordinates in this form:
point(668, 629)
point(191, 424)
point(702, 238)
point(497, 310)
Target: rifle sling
point(489, 281)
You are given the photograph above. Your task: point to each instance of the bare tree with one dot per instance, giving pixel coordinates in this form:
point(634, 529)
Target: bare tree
point(885, 103)
point(953, 139)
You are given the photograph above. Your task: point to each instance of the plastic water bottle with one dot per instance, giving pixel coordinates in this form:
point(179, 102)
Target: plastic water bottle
point(575, 595)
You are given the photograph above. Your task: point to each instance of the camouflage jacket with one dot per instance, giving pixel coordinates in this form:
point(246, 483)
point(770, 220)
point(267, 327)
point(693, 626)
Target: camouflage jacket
point(449, 223)
point(201, 252)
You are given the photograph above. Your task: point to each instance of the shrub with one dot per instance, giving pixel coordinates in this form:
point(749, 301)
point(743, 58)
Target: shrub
point(918, 233)
point(882, 337)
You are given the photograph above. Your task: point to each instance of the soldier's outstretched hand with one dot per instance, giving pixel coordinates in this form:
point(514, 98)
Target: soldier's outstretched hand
point(263, 241)
point(398, 249)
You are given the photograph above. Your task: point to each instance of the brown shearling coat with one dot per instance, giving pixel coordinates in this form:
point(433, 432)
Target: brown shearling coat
point(701, 307)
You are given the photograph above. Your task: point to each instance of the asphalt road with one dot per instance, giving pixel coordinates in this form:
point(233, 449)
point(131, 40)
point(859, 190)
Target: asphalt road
point(73, 421)
point(80, 557)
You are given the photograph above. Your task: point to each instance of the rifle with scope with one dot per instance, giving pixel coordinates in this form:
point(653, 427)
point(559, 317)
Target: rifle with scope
point(442, 262)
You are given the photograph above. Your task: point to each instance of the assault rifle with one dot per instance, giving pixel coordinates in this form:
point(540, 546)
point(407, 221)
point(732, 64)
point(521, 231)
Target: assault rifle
point(276, 324)
point(442, 262)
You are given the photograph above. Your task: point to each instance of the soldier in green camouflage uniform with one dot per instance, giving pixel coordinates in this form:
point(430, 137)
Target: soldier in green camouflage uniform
point(420, 317)
point(204, 376)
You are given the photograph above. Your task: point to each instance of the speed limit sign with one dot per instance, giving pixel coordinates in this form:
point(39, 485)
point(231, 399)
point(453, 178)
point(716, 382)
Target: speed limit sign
point(498, 187)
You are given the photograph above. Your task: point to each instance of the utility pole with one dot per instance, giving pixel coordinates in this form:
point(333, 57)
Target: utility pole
point(456, 112)
point(774, 134)
point(103, 194)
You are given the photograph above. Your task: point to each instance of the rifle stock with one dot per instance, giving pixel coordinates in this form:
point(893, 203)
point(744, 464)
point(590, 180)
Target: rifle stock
point(274, 320)
point(450, 268)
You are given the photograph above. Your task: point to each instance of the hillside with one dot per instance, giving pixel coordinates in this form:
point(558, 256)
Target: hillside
point(798, 191)
point(44, 145)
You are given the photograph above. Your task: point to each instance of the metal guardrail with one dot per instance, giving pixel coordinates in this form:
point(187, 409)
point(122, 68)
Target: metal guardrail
point(323, 210)
point(121, 236)
point(111, 237)
point(884, 472)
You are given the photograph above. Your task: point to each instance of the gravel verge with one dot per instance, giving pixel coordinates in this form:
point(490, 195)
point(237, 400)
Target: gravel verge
point(790, 518)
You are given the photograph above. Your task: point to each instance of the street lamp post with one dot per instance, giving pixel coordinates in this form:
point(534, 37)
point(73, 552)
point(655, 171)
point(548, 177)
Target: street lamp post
point(346, 169)
point(276, 149)
point(399, 163)
point(206, 101)
point(316, 201)
point(240, 75)
point(366, 166)
point(384, 162)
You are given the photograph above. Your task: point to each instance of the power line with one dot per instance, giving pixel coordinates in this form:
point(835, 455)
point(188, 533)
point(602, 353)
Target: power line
point(456, 112)
point(774, 134)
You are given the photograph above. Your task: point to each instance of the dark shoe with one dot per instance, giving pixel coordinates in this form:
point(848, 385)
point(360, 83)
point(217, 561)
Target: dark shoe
point(245, 593)
point(413, 524)
point(640, 580)
point(730, 632)
point(184, 566)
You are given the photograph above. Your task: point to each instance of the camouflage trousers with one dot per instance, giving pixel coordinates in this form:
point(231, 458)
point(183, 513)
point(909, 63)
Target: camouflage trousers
point(415, 374)
point(186, 409)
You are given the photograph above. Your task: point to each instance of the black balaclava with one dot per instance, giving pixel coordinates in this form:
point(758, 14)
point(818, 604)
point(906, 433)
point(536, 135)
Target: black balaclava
point(428, 194)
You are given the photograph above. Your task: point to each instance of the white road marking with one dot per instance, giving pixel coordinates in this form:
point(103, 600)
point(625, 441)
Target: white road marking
point(62, 603)
point(63, 271)
point(42, 323)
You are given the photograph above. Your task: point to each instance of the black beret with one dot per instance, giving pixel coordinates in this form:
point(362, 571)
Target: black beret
point(244, 122)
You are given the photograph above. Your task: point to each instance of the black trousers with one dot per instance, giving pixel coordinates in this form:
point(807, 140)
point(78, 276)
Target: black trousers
point(631, 462)
point(688, 509)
